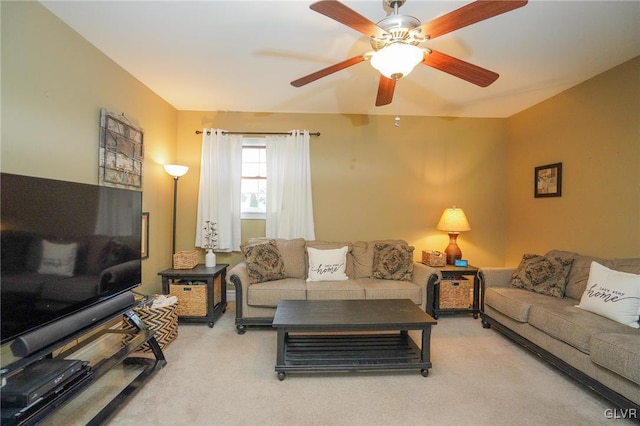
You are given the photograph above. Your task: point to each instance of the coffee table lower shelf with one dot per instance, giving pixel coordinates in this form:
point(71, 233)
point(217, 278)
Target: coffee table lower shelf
point(359, 352)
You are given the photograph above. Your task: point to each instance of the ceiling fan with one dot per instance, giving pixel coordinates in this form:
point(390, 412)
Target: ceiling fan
point(395, 41)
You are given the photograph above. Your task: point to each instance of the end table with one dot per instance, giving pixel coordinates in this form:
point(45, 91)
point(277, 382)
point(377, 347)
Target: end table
point(451, 272)
point(204, 275)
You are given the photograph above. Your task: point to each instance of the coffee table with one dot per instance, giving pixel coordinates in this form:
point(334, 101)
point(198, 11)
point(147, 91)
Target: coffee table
point(308, 340)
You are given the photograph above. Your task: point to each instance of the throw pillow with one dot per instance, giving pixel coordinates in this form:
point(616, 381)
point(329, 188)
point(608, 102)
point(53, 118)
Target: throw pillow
point(612, 294)
point(327, 265)
point(264, 262)
point(58, 259)
point(392, 262)
point(542, 274)
point(114, 253)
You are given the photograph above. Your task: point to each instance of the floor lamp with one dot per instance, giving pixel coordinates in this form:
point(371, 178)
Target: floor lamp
point(177, 172)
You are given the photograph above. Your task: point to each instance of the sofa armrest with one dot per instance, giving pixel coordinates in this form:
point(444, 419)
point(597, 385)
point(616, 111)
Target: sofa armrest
point(238, 276)
point(120, 275)
point(423, 276)
point(495, 276)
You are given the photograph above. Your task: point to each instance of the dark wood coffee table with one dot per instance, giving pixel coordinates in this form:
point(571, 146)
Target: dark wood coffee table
point(326, 350)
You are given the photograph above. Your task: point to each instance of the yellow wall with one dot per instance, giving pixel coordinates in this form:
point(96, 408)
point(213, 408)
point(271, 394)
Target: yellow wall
point(594, 130)
point(372, 180)
point(53, 85)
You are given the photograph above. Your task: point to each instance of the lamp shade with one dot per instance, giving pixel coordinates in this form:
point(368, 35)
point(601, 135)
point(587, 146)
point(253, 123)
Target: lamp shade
point(453, 220)
point(176, 170)
point(397, 60)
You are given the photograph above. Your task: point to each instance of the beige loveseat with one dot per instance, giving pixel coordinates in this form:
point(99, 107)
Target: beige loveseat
point(256, 302)
point(599, 352)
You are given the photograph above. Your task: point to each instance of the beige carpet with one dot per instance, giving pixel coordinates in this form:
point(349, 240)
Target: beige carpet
point(217, 377)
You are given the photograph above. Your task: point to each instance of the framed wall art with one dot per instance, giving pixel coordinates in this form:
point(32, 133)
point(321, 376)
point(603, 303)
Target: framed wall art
point(121, 151)
point(548, 181)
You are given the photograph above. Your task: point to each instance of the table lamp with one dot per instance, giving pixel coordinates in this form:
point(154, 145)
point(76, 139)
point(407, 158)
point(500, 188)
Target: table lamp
point(176, 171)
point(453, 221)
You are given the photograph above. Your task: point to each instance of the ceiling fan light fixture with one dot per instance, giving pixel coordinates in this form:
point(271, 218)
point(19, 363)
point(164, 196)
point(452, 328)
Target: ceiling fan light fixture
point(397, 60)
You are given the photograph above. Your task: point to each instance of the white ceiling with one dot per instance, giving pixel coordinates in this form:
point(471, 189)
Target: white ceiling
point(241, 55)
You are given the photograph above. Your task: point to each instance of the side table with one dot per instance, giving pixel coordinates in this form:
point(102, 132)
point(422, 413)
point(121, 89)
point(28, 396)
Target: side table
point(450, 272)
point(209, 276)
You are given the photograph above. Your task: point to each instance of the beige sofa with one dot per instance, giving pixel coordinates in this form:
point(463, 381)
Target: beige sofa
point(599, 352)
point(256, 302)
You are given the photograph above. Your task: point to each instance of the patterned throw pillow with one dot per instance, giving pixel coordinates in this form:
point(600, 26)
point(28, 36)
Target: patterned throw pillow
point(393, 262)
point(542, 274)
point(264, 262)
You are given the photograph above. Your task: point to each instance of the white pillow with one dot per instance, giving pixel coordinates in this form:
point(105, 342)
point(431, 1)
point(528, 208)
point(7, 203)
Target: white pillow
point(58, 259)
point(327, 265)
point(612, 294)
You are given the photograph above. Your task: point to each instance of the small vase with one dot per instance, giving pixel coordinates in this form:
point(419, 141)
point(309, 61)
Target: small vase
point(210, 259)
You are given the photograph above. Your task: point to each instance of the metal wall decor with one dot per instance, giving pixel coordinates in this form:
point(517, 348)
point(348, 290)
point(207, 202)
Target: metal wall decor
point(121, 151)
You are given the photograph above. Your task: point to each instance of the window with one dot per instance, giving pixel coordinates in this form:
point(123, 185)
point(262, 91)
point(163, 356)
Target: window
point(254, 179)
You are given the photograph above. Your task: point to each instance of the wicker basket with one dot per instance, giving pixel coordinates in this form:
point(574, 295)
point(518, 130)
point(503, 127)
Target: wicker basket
point(164, 321)
point(192, 299)
point(434, 258)
point(185, 259)
point(454, 294)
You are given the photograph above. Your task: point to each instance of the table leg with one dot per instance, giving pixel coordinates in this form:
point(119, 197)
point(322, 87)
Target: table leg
point(282, 334)
point(426, 349)
point(476, 295)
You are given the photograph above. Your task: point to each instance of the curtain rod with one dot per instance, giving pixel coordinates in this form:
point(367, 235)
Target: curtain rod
point(199, 132)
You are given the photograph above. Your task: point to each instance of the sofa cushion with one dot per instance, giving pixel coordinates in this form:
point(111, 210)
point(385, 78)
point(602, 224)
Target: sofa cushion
point(631, 265)
point(570, 324)
point(516, 302)
point(328, 264)
point(542, 274)
point(612, 294)
point(335, 290)
point(363, 252)
point(264, 262)
point(392, 262)
point(389, 289)
point(270, 293)
point(619, 353)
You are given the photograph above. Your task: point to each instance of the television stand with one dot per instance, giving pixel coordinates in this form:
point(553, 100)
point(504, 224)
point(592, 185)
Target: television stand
point(112, 375)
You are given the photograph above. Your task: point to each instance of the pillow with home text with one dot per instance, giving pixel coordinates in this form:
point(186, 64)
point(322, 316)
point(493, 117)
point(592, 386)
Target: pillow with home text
point(58, 259)
point(612, 294)
point(327, 265)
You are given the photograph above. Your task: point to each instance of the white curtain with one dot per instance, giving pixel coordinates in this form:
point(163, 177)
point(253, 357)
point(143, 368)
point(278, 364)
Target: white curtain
point(219, 194)
point(289, 200)
point(114, 213)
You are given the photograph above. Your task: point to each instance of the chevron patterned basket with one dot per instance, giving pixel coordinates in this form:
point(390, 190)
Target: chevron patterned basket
point(164, 321)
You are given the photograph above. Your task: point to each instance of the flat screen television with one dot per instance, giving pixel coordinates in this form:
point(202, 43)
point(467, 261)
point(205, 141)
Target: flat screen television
point(65, 247)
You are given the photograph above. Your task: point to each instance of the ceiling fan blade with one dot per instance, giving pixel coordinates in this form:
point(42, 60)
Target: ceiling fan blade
point(385, 91)
point(467, 15)
point(326, 71)
point(341, 13)
point(459, 68)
